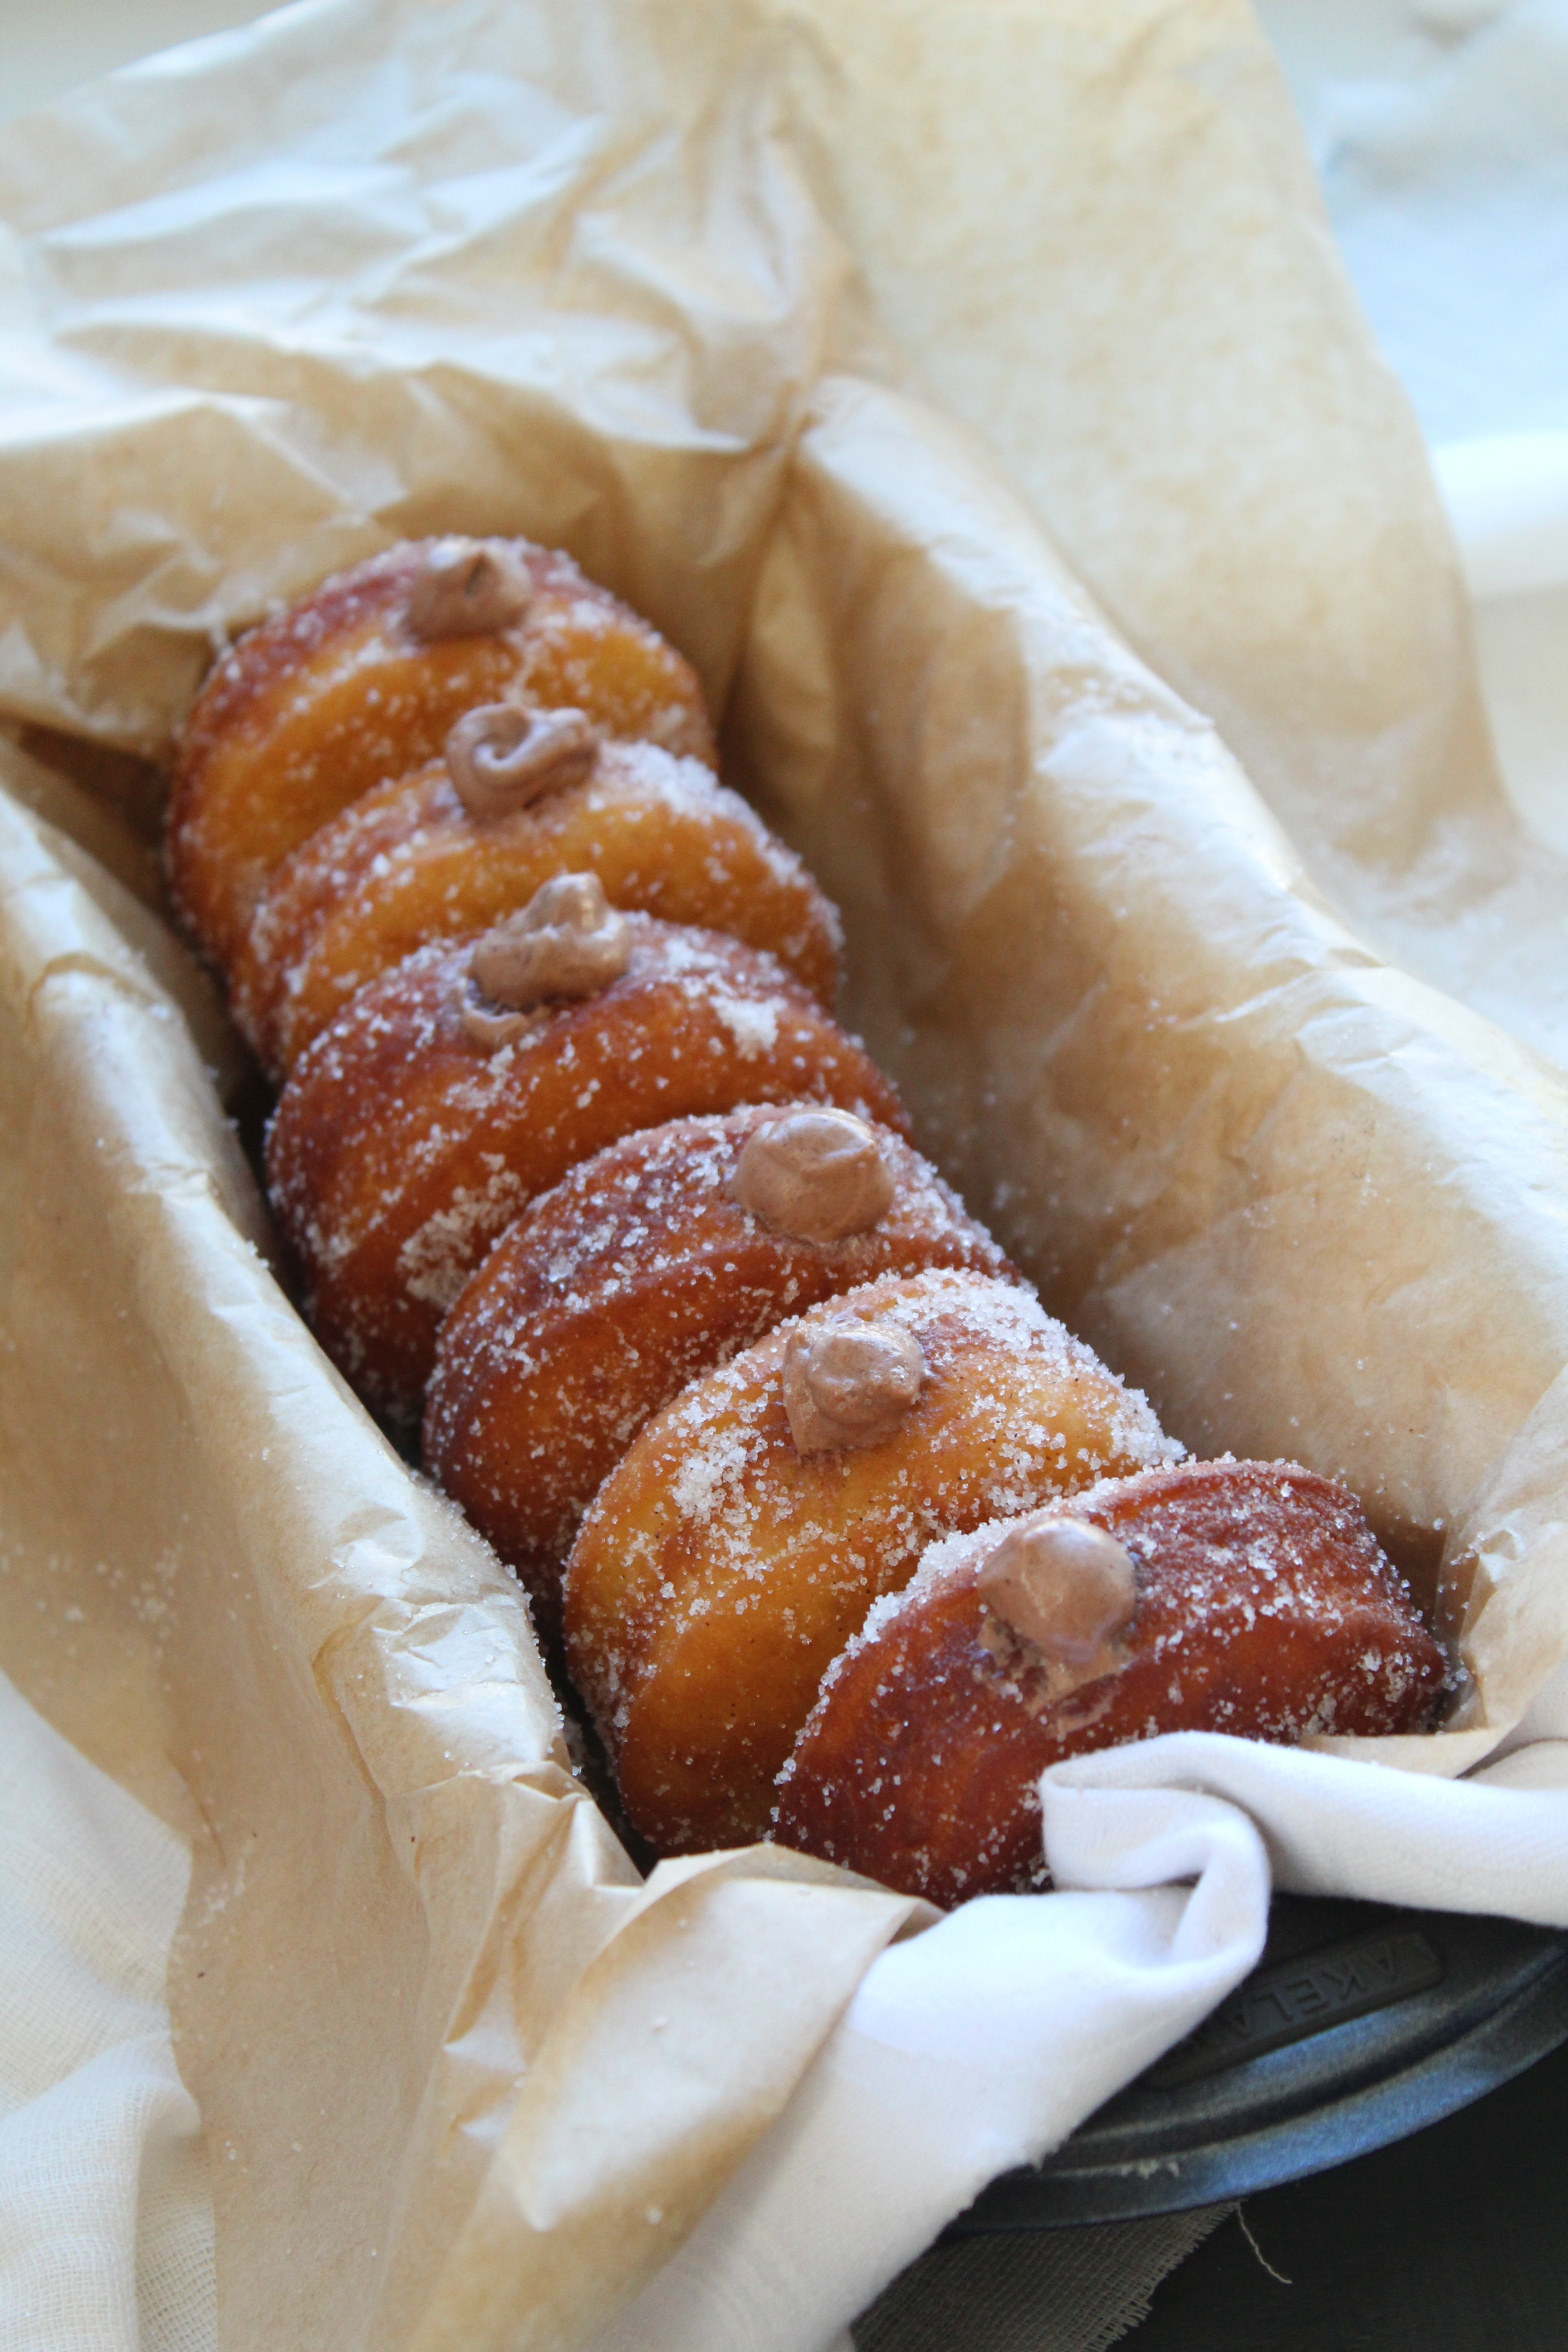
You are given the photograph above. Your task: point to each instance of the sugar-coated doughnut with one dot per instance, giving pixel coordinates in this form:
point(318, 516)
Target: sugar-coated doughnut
point(648, 1265)
point(451, 849)
point(453, 1089)
point(737, 1546)
point(841, 1537)
point(362, 679)
point(1246, 1597)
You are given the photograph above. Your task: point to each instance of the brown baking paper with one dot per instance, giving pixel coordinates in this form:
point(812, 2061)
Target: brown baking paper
point(373, 269)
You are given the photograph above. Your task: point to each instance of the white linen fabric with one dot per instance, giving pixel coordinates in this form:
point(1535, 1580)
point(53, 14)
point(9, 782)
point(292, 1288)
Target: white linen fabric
point(981, 2043)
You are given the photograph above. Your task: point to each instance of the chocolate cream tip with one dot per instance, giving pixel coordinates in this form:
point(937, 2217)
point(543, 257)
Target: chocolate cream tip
point(567, 942)
point(850, 1382)
point(814, 1176)
point(467, 588)
point(502, 756)
point(1062, 1585)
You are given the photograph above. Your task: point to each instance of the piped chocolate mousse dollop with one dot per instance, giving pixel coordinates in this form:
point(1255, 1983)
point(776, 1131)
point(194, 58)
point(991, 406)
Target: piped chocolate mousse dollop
point(568, 942)
point(814, 1175)
point(1063, 1586)
point(467, 588)
point(850, 1382)
point(503, 756)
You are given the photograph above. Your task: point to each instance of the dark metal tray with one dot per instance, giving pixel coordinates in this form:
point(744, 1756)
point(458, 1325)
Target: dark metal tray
point(1361, 2023)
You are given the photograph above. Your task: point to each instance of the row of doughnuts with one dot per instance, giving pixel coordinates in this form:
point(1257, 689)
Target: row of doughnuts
point(835, 1531)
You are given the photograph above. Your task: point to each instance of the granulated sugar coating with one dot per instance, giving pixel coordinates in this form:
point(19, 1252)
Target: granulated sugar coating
point(717, 1573)
point(612, 1292)
point(401, 1148)
point(1265, 1608)
point(339, 694)
point(408, 864)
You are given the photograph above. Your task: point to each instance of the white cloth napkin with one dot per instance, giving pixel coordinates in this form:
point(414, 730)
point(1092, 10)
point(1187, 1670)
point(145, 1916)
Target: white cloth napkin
point(982, 2042)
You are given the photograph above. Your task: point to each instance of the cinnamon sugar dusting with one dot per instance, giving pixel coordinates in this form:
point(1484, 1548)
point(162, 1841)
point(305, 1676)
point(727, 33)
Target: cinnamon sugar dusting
point(390, 1116)
point(637, 1274)
point(714, 1518)
point(1264, 1609)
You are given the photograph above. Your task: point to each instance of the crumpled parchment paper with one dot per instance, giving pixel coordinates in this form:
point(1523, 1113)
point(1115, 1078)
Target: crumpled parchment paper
point(801, 329)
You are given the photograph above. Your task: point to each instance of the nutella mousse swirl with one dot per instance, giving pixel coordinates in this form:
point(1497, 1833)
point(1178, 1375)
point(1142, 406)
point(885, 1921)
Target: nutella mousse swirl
point(467, 588)
point(568, 942)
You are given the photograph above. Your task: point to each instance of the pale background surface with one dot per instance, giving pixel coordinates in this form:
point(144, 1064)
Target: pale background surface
point(46, 50)
point(1436, 129)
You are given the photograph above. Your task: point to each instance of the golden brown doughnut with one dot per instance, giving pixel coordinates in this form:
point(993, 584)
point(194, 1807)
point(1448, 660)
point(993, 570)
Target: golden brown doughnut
point(362, 679)
point(1247, 1597)
point(420, 1124)
point(411, 861)
point(640, 1270)
point(735, 1550)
